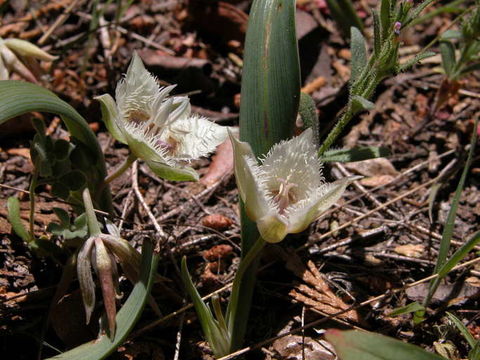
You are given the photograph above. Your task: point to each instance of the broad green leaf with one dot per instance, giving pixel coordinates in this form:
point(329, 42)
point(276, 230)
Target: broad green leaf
point(270, 96)
point(126, 317)
point(359, 54)
point(362, 345)
point(18, 97)
point(447, 50)
point(271, 76)
point(463, 330)
point(407, 309)
point(13, 208)
point(355, 154)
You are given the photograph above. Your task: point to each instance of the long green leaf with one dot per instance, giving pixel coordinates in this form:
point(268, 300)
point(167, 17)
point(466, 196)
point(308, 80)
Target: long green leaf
point(271, 76)
point(13, 215)
point(447, 50)
point(449, 224)
point(269, 105)
point(345, 16)
point(407, 309)
point(463, 330)
point(360, 345)
point(126, 317)
point(459, 255)
point(18, 97)
point(359, 54)
point(354, 154)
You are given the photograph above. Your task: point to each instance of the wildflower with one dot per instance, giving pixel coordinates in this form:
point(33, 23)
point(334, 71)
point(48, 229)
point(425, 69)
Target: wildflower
point(285, 192)
point(396, 27)
point(15, 53)
point(158, 128)
point(102, 251)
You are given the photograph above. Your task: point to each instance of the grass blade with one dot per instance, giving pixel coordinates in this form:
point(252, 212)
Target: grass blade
point(463, 330)
point(449, 224)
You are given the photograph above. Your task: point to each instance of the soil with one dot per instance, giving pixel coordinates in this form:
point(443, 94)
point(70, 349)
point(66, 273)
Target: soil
point(378, 237)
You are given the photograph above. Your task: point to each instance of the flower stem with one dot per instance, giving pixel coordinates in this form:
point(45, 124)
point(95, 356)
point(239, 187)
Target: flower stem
point(93, 227)
point(31, 189)
point(121, 169)
point(241, 296)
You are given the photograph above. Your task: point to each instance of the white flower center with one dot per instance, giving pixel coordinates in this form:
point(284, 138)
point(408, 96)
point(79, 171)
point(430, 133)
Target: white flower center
point(285, 195)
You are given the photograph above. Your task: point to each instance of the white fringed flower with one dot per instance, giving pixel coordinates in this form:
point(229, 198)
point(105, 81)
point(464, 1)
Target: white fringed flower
point(286, 191)
point(158, 128)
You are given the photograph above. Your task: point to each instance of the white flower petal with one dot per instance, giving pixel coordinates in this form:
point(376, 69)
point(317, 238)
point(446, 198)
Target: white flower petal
point(195, 137)
point(303, 214)
point(111, 117)
point(249, 180)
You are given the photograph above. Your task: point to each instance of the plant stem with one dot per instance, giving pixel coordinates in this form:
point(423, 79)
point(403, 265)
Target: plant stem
point(31, 189)
point(93, 227)
point(121, 169)
point(241, 296)
point(336, 131)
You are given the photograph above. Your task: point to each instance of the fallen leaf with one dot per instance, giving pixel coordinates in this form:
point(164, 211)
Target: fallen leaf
point(375, 181)
point(410, 250)
point(373, 167)
point(222, 164)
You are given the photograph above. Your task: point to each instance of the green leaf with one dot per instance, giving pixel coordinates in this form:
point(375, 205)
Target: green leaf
point(74, 180)
point(62, 216)
point(355, 154)
point(308, 113)
point(271, 76)
point(459, 255)
point(463, 330)
point(377, 34)
point(441, 265)
point(359, 54)
point(18, 97)
point(447, 50)
point(451, 35)
point(344, 14)
point(386, 17)
point(217, 337)
point(416, 59)
point(362, 345)
point(470, 68)
point(61, 149)
point(412, 307)
point(126, 317)
point(13, 208)
point(359, 103)
point(270, 97)
point(474, 354)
